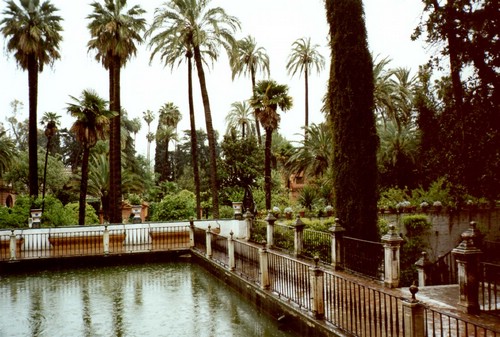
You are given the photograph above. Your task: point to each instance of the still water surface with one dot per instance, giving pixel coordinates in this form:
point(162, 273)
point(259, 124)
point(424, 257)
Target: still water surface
point(172, 299)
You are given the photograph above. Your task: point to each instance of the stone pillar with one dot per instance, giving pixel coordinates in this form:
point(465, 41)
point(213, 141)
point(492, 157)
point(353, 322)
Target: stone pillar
point(337, 233)
point(209, 243)
point(423, 265)
point(191, 232)
point(105, 240)
point(317, 294)
point(12, 245)
point(413, 316)
point(467, 256)
point(392, 243)
point(230, 251)
point(270, 229)
point(298, 237)
point(264, 270)
point(249, 221)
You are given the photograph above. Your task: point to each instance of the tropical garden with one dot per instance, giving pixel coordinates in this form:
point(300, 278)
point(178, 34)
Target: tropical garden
point(391, 136)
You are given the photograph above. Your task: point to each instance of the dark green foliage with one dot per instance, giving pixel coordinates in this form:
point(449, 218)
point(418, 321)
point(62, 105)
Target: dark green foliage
point(179, 206)
point(240, 166)
point(417, 228)
point(350, 105)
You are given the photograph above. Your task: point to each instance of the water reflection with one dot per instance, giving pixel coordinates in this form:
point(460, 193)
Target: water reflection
point(175, 299)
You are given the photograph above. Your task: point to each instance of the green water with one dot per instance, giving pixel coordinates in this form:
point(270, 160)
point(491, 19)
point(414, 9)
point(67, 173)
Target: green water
point(174, 299)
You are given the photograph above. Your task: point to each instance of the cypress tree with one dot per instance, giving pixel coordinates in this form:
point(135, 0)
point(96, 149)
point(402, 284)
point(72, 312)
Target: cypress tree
point(351, 113)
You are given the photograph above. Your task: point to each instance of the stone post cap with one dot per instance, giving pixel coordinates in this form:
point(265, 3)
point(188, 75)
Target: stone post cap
point(423, 261)
point(270, 218)
point(337, 227)
point(468, 245)
point(298, 224)
point(392, 236)
point(247, 215)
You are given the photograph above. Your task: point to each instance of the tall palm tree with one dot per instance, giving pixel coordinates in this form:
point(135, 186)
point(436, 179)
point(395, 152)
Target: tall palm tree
point(303, 58)
point(114, 33)
point(33, 33)
point(247, 58)
point(267, 98)
point(135, 127)
point(240, 119)
point(148, 117)
point(92, 123)
point(198, 29)
point(173, 48)
point(169, 117)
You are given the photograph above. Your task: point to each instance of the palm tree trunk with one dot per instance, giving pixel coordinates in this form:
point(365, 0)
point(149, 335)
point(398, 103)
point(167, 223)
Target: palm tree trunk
point(306, 124)
point(32, 134)
point(210, 132)
point(257, 124)
point(267, 167)
point(115, 191)
point(84, 185)
point(194, 141)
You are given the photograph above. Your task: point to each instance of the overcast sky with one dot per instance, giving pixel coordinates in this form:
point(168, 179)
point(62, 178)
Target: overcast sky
point(275, 24)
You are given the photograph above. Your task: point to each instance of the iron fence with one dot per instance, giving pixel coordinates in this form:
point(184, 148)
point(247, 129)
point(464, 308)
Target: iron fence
point(364, 257)
point(247, 261)
point(361, 310)
point(489, 286)
point(200, 239)
point(443, 271)
point(219, 249)
point(290, 279)
point(319, 244)
point(283, 238)
point(445, 324)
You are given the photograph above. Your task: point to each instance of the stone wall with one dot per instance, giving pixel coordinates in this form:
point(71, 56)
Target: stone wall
point(448, 226)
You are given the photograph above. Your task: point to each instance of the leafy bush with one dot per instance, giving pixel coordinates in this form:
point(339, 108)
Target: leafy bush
point(226, 212)
point(180, 206)
point(417, 227)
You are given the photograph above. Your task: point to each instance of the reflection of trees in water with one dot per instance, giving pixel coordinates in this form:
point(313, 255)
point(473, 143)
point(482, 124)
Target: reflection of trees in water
point(86, 308)
point(36, 317)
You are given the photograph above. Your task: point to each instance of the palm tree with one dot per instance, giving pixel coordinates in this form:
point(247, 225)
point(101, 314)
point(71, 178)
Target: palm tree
point(190, 26)
point(135, 127)
point(114, 33)
point(169, 118)
point(247, 58)
point(7, 153)
point(240, 119)
point(33, 34)
point(314, 156)
point(148, 117)
point(91, 125)
point(303, 58)
point(267, 98)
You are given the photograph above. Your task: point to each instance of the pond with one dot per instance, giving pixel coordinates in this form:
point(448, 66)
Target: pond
point(156, 299)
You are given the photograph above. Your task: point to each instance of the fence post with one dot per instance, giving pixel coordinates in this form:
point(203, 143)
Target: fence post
point(423, 265)
point(317, 296)
point(413, 316)
point(392, 243)
point(264, 270)
point(298, 237)
point(230, 251)
point(467, 257)
point(249, 220)
point(209, 243)
point(105, 240)
point(337, 233)
point(270, 229)
point(191, 232)
point(12, 245)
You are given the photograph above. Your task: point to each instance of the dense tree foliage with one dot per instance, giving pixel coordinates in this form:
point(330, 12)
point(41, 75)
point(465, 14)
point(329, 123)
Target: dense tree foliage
point(33, 31)
point(350, 104)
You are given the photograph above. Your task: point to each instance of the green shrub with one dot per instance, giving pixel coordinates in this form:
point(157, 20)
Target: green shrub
point(226, 212)
point(417, 228)
point(180, 206)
